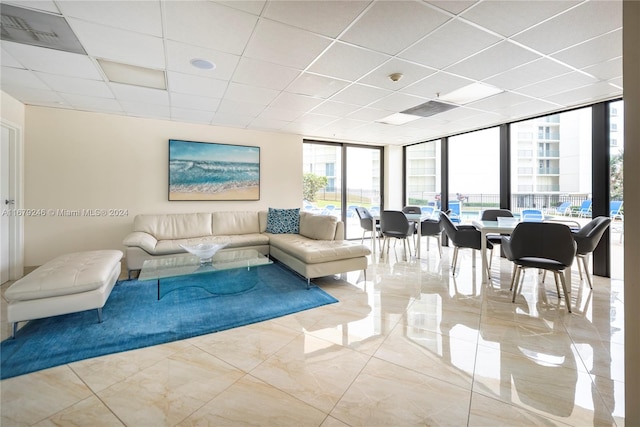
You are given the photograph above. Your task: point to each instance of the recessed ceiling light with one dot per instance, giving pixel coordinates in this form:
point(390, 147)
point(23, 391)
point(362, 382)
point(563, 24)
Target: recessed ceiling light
point(398, 119)
point(133, 75)
point(203, 64)
point(470, 93)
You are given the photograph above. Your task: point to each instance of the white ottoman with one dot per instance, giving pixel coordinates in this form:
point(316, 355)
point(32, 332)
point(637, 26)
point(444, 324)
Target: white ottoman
point(67, 284)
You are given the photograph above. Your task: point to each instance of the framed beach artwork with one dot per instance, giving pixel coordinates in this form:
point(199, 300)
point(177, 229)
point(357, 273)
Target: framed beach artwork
point(212, 171)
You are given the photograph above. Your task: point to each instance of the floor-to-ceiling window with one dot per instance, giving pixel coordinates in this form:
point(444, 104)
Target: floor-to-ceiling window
point(339, 177)
point(474, 173)
point(422, 178)
point(616, 146)
point(551, 163)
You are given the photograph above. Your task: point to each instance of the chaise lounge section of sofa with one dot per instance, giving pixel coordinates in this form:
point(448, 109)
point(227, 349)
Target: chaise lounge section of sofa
point(317, 249)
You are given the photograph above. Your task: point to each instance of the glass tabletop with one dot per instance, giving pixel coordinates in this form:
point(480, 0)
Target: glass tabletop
point(186, 264)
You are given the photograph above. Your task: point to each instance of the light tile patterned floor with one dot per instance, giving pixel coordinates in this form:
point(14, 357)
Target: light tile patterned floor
point(412, 345)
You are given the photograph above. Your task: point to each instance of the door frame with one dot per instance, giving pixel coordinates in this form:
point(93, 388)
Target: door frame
point(16, 191)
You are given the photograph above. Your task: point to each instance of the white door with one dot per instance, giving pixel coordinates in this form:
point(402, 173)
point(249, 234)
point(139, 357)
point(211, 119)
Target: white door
point(4, 206)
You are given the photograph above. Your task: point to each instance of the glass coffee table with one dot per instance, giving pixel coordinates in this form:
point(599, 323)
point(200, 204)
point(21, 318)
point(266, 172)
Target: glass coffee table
point(230, 271)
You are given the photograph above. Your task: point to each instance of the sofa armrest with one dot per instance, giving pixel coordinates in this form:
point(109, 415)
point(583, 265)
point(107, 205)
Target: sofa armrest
point(142, 240)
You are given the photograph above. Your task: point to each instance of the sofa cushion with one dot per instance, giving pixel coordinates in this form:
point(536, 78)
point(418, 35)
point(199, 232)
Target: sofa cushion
point(166, 247)
point(317, 251)
point(174, 226)
point(227, 223)
point(281, 221)
point(318, 227)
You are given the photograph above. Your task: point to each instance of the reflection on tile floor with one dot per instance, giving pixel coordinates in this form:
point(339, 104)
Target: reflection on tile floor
point(411, 345)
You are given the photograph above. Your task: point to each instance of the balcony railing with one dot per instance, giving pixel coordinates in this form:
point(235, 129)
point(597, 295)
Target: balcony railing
point(548, 171)
point(549, 153)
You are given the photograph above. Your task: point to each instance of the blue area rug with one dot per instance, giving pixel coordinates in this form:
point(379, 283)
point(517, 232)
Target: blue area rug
point(135, 318)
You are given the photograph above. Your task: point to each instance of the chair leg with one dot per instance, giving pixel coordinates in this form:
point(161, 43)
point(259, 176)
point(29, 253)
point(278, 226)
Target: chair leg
point(455, 260)
point(517, 284)
point(555, 276)
point(490, 258)
point(586, 269)
point(513, 277)
point(439, 239)
point(567, 298)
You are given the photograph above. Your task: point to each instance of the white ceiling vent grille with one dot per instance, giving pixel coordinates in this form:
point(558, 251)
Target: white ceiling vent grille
point(429, 108)
point(38, 29)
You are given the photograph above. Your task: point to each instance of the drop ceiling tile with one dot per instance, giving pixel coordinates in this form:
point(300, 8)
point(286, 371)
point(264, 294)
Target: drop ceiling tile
point(264, 74)
point(361, 95)
point(369, 114)
point(449, 44)
point(274, 113)
point(558, 84)
point(140, 94)
point(252, 94)
point(237, 107)
point(74, 85)
point(589, 19)
point(192, 116)
point(91, 103)
point(137, 109)
point(595, 51)
point(397, 102)
point(32, 96)
point(454, 7)
point(195, 85)
point(53, 61)
point(411, 73)
point(390, 27)
point(530, 109)
point(19, 77)
point(511, 17)
point(338, 109)
point(291, 101)
point(439, 83)
point(182, 100)
point(606, 70)
point(527, 74)
point(9, 61)
point(268, 124)
point(496, 59)
point(207, 24)
point(119, 45)
point(281, 44)
point(344, 124)
point(179, 56)
point(315, 120)
point(316, 86)
point(585, 94)
point(254, 7)
point(329, 18)
point(347, 62)
point(138, 16)
point(499, 102)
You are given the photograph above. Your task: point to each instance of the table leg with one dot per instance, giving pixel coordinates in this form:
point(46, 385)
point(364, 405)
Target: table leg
point(483, 255)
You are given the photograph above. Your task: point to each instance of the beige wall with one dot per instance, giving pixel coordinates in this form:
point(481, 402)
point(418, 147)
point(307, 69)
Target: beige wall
point(78, 160)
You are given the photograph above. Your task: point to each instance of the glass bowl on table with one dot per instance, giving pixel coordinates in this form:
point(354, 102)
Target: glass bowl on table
point(204, 251)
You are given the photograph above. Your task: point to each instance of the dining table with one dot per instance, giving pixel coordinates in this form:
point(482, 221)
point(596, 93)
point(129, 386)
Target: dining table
point(503, 227)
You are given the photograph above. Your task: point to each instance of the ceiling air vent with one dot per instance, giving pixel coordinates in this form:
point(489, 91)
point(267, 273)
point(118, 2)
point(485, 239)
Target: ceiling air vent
point(30, 27)
point(429, 108)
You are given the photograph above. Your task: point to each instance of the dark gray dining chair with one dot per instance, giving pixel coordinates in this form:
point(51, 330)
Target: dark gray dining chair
point(540, 245)
point(394, 224)
point(461, 236)
point(367, 222)
point(587, 238)
point(493, 215)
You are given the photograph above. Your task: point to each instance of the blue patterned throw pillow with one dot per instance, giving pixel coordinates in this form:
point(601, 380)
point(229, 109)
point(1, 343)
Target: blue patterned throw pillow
point(281, 221)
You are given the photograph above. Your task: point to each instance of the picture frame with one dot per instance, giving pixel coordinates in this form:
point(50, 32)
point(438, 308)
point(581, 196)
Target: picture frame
point(213, 171)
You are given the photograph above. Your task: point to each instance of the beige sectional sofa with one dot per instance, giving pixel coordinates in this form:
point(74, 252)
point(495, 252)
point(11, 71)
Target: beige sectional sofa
point(318, 249)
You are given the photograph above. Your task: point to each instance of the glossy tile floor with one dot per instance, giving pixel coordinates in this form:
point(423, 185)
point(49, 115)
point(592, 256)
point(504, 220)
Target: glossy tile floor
point(411, 345)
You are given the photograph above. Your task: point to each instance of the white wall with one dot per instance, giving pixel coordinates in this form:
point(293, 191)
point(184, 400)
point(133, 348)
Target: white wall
point(11, 110)
point(88, 161)
point(393, 178)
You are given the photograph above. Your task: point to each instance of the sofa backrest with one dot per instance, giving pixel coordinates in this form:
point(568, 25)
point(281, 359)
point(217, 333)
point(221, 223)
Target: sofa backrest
point(174, 226)
point(319, 227)
point(231, 223)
